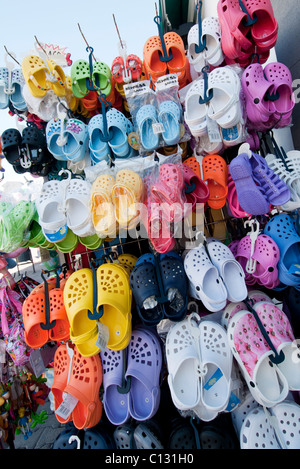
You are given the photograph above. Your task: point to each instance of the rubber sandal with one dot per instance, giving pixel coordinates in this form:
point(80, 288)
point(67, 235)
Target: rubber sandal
point(205, 281)
point(123, 436)
point(264, 380)
point(144, 285)
point(148, 436)
point(98, 437)
point(49, 207)
point(146, 117)
point(281, 334)
point(78, 299)
point(257, 90)
point(88, 410)
point(11, 141)
point(251, 197)
point(134, 65)
point(118, 126)
point(265, 258)
point(215, 174)
point(98, 147)
point(53, 135)
point(35, 74)
point(224, 107)
point(101, 78)
point(34, 142)
point(194, 165)
point(158, 228)
point(77, 207)
point(175, 47)
point(265, 30)
point(144, 370)
point(168, 191)
point(76, 134)
point(275, 190)
point(17, 84)
point(182, 436)
point(68, 439)
point(80, 72)
point(115, 401)
point(195, 112)
point(57, 78)
point(169, 115)
point(4, 78)
point(212, 53)
point(291, 178)
point(213, 437)
point(152, 51)
point(194, 185)
point(61, 374)
point(235, 43)
point(117, 69)
point(126, 194)
point(114, 304)
point(230, 270)
point(102, 208)
point(128, 262)
point(281, 228)
point(233, 201)
point(280, 75)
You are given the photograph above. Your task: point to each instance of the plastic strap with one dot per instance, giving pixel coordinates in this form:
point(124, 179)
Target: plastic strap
point(277, 358)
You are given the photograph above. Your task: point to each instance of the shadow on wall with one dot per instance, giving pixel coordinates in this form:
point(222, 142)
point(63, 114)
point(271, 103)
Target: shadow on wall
point(287, 50)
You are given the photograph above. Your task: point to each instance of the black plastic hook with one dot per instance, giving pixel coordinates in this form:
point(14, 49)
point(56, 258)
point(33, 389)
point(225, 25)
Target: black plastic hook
point(207, 95)
point(202, 43)
point(126, 383)
point(48, 324)
point(163, 57)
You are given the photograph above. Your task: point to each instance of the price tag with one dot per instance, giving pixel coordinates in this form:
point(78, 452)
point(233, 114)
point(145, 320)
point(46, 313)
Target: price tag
point(103, 336)
point(67, 406)
point(158, 128)
point(213, 131)
point(165, 82)
point(137, 88)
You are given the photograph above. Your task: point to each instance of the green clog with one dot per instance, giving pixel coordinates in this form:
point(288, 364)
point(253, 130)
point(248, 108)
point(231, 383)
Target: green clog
point(80, 71)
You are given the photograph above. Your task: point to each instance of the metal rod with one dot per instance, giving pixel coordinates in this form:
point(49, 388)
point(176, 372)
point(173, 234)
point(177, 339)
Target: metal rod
point(116, 26)
point(11, 56)
point(84, 38)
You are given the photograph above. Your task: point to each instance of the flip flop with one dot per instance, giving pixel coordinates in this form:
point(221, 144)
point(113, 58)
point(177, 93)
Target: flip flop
point(88, 410)
point(251, 197)
point(205, 281)
point(215, 174)
point(144, 285)
point(78, 299)
point(35, 74)
point(230, 270)
point(80, 72)
point(146, 118)
point(102, 207)
point(144, 370)
point(115, 401)
point(281, 228)
point(126, 194)
point(152, 51)
point(265, 381)
point(114, 304)
point(4, 97)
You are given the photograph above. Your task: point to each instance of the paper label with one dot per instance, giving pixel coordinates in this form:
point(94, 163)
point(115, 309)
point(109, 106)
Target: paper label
point(158, 128)
point(137, 88)
point(166, 82)
point(103, 336)
point(213, 131)
point(213, 379)
point(67, 406)
point(37, 362)
point(58, 54)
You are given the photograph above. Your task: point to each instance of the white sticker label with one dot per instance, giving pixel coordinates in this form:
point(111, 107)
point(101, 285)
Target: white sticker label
point(158, 128)
point(213, 131)
point(137, 88)
point(165, 82)
point(67, 406)
point(103, 336)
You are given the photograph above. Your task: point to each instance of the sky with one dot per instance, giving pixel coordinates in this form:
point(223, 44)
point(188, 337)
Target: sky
point(57, 23)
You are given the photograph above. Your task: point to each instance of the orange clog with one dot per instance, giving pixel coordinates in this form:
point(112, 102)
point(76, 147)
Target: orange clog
point(215, 173)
